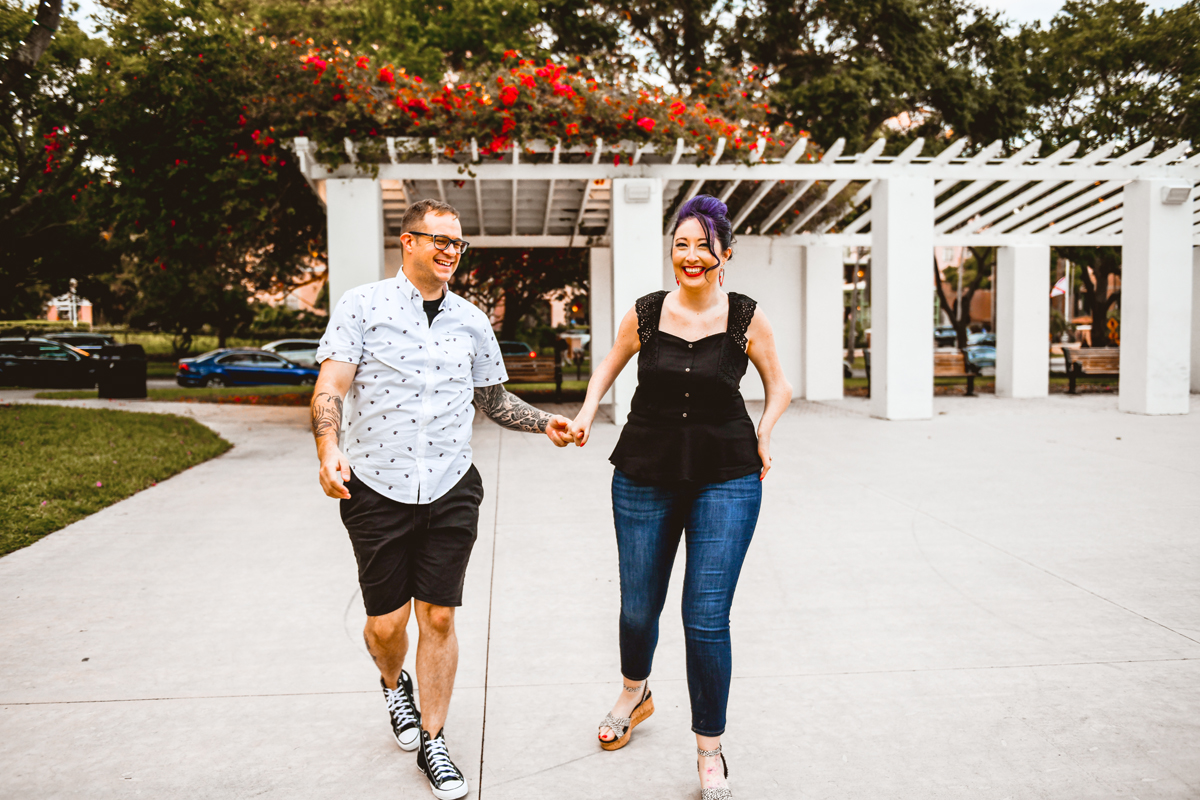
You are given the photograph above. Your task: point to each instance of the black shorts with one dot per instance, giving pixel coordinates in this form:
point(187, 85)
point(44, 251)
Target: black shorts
point(407, 551)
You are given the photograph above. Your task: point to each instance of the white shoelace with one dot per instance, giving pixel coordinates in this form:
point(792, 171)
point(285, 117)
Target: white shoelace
point(439, 763)
point(401, 708)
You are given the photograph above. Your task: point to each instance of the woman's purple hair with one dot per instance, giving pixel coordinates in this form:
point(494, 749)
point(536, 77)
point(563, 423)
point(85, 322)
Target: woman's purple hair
point(713, 216)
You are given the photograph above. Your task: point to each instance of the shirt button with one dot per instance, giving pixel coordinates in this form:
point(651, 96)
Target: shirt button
point(685, 413)
point(687, 394)
point(687, 369)
point(689, 347)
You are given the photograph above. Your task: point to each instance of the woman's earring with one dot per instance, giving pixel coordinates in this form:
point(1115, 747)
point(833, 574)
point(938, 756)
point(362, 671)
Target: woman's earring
point(721, 277)
point(677, 281)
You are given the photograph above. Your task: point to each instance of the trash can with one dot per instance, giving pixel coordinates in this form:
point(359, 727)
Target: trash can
point(121, 372)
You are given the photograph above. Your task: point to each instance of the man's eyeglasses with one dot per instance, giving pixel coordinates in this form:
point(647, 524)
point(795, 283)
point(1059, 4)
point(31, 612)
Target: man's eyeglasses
point(443, 242)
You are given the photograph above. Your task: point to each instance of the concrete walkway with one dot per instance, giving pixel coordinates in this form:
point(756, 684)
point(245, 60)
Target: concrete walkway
point(1003, 602)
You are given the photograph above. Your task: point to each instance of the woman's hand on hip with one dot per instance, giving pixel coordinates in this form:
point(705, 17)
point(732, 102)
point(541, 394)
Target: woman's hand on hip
point(764, 454)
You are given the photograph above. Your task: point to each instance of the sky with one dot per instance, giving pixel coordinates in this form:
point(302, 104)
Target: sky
point(1018, 11)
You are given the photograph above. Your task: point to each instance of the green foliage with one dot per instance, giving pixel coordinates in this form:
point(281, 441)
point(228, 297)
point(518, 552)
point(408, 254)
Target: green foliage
point(47, 186)
point(208, 207)
point(67, 463)
point(520, 279)
point(1113, 70)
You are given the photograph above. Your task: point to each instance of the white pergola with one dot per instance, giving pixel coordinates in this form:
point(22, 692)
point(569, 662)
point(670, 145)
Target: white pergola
point(536, 195)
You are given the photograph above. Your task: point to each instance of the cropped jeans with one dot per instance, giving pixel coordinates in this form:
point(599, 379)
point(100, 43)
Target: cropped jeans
point(718, 521)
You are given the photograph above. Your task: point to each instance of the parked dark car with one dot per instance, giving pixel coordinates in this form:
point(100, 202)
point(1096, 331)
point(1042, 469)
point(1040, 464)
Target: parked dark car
point(944, 335)
point(517, 349)
point(91, 342)
point(42, 364)
point(230, 367)
point(981, 355)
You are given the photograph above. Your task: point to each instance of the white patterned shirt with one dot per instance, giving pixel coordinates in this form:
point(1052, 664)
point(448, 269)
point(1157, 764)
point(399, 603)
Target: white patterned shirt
point(410, 408)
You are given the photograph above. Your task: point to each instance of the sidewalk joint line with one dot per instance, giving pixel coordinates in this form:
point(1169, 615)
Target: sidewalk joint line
point(487, 652)
point(195, 697)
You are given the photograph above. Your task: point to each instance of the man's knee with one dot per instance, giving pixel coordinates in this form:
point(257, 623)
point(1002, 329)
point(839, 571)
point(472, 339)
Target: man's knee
point(389, 626)
point(435, 620)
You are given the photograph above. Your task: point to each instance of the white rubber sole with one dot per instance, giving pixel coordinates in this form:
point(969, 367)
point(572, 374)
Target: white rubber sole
point(415, 734)
point(450, 794)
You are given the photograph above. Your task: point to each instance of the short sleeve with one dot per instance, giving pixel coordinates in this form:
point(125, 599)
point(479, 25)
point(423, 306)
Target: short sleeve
point(488, 369)
point(343, 339)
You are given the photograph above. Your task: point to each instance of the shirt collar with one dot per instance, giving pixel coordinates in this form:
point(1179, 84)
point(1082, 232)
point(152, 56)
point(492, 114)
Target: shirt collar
point(414, 294)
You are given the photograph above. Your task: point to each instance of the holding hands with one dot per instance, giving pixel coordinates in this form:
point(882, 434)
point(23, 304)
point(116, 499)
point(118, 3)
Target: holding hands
point(558, 430)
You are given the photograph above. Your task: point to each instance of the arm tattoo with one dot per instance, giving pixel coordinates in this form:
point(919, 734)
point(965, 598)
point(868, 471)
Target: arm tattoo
point(510, 411)
point(327, 415)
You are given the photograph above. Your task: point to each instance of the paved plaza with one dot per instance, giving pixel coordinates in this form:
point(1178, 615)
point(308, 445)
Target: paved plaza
point(1003, 602)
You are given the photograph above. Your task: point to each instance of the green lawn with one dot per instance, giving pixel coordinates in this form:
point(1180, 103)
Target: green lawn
point(273, 395)
point(63, 464)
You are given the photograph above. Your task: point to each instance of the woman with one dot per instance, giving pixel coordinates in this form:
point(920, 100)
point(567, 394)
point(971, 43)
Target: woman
point(688, 460)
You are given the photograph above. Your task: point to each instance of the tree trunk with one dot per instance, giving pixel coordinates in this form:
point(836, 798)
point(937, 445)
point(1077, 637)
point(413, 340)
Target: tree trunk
point(45, 25)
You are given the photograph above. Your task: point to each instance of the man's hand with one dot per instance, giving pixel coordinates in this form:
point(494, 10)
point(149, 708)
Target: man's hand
point(558, 429)
point(334, 474)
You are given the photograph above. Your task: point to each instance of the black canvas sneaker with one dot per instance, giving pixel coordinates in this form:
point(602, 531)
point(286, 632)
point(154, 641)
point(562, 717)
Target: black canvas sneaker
point(406, 720)
point(434, 761)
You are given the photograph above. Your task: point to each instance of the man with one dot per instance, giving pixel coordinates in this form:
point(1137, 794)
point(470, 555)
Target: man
point(413, 356)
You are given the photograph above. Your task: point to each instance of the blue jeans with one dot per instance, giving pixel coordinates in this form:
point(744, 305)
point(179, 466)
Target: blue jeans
point(719, 520)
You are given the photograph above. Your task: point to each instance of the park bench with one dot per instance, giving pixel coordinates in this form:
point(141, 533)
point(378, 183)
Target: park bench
point(522, 369)
point(945, 365)
point(1091, 361)
point(955, 365)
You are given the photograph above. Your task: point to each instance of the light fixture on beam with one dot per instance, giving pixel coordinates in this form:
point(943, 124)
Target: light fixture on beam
point(1176, 195)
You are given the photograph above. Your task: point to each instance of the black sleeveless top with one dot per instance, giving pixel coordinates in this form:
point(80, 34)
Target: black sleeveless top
point(687, 421)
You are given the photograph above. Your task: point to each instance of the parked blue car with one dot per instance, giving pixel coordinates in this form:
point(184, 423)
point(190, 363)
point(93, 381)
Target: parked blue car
point(981, 355)
point(241, 368)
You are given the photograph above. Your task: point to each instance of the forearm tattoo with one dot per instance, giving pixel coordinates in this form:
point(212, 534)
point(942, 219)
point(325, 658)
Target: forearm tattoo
point(327, 415)
point(510, 411)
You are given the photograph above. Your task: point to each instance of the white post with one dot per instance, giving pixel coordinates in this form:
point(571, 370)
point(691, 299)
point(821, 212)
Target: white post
point(901, 312)
point(1196, 319)
point(1156, 299)
point(354, 214)
point(637, 246)
point(600, 307)
point(1022, 321)
point(821, 303)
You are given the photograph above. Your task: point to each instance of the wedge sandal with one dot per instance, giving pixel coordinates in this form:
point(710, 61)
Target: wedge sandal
point(623, 726)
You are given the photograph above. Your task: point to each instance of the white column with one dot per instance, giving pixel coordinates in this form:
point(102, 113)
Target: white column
point(354, 213)
point(1196, 320)
point(637, 245)
point(821, 306)
point(1022, 292)
point(600, 307)
point(1156, 299)
point(902, 299)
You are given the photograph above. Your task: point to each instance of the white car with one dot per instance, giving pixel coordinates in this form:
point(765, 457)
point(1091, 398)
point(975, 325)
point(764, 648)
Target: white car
point(301, 351)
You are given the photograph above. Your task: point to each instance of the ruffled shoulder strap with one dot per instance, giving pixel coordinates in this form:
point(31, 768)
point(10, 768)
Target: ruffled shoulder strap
point(649, 309)
point(741, 312)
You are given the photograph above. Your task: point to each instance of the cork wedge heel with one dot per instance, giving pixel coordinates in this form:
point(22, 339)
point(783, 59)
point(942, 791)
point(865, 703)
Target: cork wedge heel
point(623, 726)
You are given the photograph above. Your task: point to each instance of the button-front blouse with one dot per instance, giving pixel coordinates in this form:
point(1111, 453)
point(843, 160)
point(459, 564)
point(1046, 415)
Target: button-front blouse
point(687, 420)
point(411, 405)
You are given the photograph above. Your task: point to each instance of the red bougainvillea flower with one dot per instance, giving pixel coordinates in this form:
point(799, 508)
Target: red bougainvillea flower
point(362, 62)
point(318, 64)
point(572, 129)
point(678, 107)
point(509, 95)
point(646, 124)
point(508, 124)
point(387, 76)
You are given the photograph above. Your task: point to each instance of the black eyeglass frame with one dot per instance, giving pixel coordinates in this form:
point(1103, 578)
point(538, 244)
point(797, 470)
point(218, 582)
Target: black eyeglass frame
point(461, 245)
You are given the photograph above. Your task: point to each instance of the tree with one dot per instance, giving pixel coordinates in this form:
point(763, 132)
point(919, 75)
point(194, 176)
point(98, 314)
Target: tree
point(1111, 69)
point(45, 93)
point(1104, 262)
point(977, 270)
point(208, 206)
point(520, 279)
